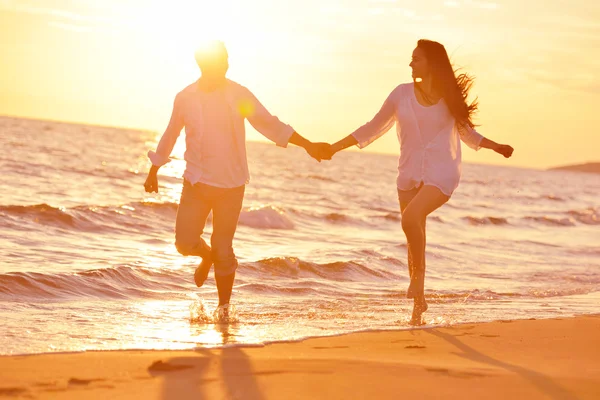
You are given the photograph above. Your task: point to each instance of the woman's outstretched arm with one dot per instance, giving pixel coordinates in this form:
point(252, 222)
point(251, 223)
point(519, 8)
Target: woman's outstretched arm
point(476, 141)
point(503, 149)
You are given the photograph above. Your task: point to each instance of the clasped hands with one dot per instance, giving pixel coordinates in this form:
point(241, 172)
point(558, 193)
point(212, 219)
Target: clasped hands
point(320, 151)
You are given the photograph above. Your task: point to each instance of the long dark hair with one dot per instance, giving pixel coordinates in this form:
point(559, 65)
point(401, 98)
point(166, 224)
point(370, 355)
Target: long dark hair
point(454, 88)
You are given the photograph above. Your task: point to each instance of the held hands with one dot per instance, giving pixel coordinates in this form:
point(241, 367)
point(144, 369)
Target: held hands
point(320, 151)
point(504, 149)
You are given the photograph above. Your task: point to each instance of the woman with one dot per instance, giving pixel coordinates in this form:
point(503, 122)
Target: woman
point(432, 116)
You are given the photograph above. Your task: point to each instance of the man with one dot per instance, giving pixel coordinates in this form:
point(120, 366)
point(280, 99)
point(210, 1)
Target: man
point(213, 110)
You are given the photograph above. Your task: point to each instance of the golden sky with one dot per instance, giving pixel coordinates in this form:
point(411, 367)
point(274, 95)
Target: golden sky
point(323, 66)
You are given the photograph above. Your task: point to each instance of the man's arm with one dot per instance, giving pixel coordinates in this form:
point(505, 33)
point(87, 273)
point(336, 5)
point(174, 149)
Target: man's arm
point(273, 129)
point(165, 146)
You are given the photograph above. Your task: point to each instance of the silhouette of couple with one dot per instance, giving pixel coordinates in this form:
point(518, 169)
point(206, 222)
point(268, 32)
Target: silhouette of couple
point(431, 114)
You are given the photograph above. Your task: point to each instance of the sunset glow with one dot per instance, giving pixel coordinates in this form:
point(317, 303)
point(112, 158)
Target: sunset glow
point(324, 66)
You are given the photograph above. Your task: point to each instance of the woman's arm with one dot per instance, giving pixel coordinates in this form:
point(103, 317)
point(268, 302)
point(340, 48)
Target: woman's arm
point(346, 142)
point(372, 130)
point(503, 149)
point(476, 141)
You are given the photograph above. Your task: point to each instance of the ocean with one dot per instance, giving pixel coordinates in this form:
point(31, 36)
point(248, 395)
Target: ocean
point(87, 260)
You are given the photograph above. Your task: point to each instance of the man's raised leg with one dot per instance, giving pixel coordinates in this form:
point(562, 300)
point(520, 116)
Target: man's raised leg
point(193, 210)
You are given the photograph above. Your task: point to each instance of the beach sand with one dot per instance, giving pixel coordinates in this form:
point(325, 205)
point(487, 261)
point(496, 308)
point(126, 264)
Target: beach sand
point(526, 359)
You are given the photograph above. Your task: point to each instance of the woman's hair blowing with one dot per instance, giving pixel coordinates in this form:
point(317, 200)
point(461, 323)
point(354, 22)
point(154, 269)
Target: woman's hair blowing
point(454, 89)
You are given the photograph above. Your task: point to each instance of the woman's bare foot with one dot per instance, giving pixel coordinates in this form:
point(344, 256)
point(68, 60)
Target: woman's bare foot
point(420, 306)
point(202, 271)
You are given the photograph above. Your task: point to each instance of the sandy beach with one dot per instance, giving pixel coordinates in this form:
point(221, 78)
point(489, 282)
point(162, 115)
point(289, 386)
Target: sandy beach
point(526, 359)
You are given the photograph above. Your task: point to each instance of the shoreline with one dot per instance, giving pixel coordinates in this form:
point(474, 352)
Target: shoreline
point(545, 358)
point(291, 341)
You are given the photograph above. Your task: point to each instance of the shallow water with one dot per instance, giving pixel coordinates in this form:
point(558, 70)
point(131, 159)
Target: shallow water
point(87, 258)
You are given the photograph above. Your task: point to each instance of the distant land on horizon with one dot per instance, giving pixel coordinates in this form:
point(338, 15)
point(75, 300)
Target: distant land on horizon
point(593, 167)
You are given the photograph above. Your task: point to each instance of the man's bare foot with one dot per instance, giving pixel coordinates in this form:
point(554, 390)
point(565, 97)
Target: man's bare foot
point(202, 271)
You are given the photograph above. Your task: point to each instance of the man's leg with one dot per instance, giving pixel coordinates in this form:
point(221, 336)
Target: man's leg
point(226, 212)
point(192, 212)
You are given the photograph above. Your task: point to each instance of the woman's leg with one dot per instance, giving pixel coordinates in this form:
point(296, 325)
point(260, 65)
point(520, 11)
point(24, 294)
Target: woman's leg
point(405, 197)
point(427, 200)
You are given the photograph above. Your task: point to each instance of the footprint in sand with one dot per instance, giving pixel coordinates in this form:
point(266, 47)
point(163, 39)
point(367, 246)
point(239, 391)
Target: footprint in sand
point(455, 374)
point(83, 382)
point(160, 366)
point(12, 391)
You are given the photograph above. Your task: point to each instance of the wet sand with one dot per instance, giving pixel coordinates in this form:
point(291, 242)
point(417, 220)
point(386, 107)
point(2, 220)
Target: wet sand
point(526, 359)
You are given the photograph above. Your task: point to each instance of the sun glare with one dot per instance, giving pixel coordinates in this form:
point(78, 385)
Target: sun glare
point(185, 26)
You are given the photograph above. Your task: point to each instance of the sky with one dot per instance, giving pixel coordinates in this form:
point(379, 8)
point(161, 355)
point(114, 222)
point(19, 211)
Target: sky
point(323, 66)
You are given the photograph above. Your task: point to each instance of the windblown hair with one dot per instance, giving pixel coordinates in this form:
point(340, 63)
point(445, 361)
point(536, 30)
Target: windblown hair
point(453, 88)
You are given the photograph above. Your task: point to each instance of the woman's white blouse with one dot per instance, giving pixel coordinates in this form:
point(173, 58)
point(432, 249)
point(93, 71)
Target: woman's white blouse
point(432, 156)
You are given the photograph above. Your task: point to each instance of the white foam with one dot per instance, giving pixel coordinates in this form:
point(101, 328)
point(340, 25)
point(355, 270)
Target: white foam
point(265, 217)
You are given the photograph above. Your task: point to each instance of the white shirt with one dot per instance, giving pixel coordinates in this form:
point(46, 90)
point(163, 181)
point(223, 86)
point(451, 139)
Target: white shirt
point(431, 119)
point(430, 150)
point(215, 133)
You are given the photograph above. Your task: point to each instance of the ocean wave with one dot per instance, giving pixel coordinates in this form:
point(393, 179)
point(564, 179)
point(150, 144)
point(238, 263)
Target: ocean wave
point(106, 283)
point(321, 178)
point(393, 216)
point(137, 281)
point(551, 221)
point(265, 217)
point(552, 197)
point(93, 218)
point(335, 271)
point(143, 215)
point(281, 275)
point(131, 216)
point(42, 213)
point(589, 216)
point(263, 288)
point(486, 220)
point(490, 295)
point(336, 217)
point(568, 277)
point(396, 216)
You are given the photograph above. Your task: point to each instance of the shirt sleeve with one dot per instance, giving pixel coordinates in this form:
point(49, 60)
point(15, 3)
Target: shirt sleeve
point(165, 146)
point(379, 125)
point(470, 137)
point(266, 124)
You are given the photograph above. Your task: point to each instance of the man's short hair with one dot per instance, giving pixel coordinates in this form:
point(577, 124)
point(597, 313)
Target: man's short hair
point(211, 52)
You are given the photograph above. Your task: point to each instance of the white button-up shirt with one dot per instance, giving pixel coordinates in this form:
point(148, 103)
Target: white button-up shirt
point(215, 134)
point(433, 158)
